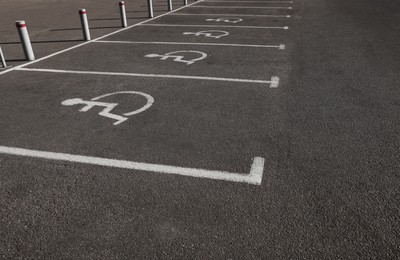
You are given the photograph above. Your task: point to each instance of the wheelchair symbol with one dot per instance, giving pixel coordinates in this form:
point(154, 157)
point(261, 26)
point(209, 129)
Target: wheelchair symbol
point(210, 33)
point(108, 107)
point(179, 56)
point(226, 20)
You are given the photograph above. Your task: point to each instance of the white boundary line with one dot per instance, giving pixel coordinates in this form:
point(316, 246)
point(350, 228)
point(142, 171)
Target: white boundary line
point(281, 46)
point(87, 42)
point(254, 177)
point(272, 82)
point(213, 26)
point(256, 15)
point(241, 7)
point(234, 1)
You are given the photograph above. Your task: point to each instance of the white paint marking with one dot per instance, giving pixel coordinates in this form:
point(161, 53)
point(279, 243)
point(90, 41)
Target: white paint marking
point(179, 56)
point(281, 46)
point(259, 15)
point(87, 42)
point(266, 2)
point(147, 75)
point(255, 176)
point(257, 169)
point(274, 82)
point(242, 7)
point(108, 107)
point(213, 26)
point(216, 34)
point(225, 20)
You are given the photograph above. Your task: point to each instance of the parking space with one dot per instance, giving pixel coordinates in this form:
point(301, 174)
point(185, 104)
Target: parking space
point(164, 60)
point(219, 126)
point(231, 21)
point(217, 36)
point(235, 11)
point(261, 4)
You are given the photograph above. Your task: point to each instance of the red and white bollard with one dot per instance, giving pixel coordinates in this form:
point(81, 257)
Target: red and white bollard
point(26, 42)
point(150, 7)
point(85, 24)
point(3, 60)
point(124, 23)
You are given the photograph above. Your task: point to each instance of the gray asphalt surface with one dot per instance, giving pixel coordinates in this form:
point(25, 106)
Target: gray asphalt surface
point(329, 135)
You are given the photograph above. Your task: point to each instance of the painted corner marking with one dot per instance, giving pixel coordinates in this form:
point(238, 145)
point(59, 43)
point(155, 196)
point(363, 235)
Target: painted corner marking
point(256, 171)
point(254, 177)
point(274, 82)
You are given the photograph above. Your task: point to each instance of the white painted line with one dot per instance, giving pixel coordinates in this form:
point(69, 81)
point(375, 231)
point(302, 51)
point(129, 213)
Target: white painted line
point(266, 2)
point(241, 7)
point(281, 46)
point(148, 75)
point(87, 42)
point(259, 15)
point(214, 26)
point(255, 176)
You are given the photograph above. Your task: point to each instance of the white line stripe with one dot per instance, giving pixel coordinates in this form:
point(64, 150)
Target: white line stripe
point(146, 75)
point(266, 2)
point(255, 176)
point(243, 7)
point(213, 26)
point(260, 15)
point(84, 43)
point(281, 46)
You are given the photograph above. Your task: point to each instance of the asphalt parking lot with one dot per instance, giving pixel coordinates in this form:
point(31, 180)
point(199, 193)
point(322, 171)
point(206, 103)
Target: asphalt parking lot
point(220, 130)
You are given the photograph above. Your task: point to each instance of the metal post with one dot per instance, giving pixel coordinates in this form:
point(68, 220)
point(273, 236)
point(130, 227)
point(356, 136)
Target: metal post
point(150, 7)
point(123, 14)
point(184, 2)
point(169, 5)
point(3, 60)
point(85, 25)
point(26, 42)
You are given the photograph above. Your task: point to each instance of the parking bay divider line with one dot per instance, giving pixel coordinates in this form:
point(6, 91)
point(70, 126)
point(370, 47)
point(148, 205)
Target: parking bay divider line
point(254, 177)
point(266, 2)
point(274, 82)
point(242, 7)
point(99, 38)
point(280, 46)
point(244, 15)
point(214, 26)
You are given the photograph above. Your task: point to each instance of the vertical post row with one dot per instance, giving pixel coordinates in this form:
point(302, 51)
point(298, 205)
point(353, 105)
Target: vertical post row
point(124, 23)
point(3, 60)
point(85, 25)
point(150, 7)
point(26, 42)
point(169, 5)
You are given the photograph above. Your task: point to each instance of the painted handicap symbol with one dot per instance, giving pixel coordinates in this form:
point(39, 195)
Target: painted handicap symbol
point(179, 56)
point(108, 107)
point(226, 20)
point(210, 33)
